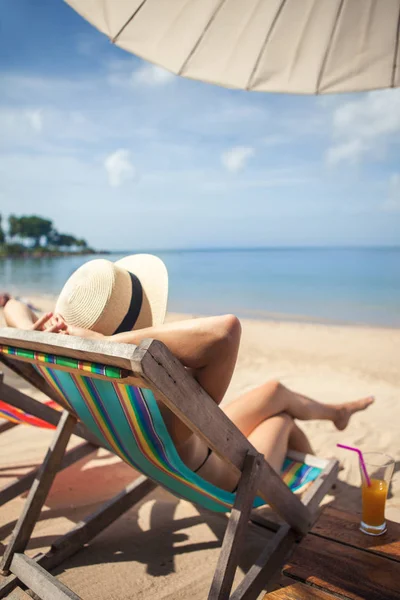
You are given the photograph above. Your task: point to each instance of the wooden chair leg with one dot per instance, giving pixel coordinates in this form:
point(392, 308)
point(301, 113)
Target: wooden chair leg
point(269, 561)
point(86, 530)
point(284, 541)
point(6, 426)
point(39, 490)
point(236, 529)
point(40, 581)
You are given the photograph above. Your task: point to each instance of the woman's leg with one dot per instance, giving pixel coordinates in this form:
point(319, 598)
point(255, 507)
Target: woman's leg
point(271, 438)
point(272, 398)
point(299, 441)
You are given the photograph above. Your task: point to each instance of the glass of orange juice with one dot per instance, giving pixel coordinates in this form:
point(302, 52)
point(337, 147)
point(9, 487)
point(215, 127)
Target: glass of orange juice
point(380, 470)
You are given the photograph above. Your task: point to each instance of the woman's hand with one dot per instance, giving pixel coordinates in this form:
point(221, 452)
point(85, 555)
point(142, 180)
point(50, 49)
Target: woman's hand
point(56, 323)
point(47, 323)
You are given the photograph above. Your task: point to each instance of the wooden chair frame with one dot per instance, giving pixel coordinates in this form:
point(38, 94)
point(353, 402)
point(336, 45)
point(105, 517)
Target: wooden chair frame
point(152, 366)
point(7, 424)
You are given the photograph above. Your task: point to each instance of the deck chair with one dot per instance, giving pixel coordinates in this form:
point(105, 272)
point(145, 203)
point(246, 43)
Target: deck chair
point(17, 408)
point(112, 388)
point(13, 416)
point(16, 416)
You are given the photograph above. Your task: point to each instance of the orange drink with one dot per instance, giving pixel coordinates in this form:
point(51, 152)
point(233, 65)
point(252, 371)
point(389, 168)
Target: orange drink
point(373, 502)
point(380, 469)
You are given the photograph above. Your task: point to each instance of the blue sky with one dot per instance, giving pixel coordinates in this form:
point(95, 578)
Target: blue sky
point(128, 156)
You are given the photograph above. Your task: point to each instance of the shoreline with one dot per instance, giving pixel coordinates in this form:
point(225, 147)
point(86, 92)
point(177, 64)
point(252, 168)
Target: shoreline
point(343, 287)
point(45, 302)
point(51, 254)
point(273, 317)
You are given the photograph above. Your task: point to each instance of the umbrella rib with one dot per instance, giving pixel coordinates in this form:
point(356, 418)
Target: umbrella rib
point(258, 60)
point(396, 50)
point(114, 39)
point(203, 33)
point(328, 47)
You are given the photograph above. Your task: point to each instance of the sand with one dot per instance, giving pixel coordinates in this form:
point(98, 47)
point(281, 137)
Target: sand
point(166, 548)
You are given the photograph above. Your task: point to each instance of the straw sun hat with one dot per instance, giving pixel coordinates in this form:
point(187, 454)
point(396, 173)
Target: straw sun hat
point(110, 297)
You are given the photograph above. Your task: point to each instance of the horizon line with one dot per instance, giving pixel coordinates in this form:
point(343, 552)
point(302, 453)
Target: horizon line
point(255, 248)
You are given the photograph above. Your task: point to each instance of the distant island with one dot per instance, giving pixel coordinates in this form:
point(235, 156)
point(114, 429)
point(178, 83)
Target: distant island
point(34, 236)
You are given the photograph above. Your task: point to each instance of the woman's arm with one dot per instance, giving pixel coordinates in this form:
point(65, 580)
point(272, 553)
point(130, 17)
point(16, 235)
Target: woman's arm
point(190, 340)
point(19, 315)
point(208, 346)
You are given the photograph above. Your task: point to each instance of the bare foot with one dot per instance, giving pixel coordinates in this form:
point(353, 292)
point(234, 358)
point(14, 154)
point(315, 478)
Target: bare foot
point(345, 411)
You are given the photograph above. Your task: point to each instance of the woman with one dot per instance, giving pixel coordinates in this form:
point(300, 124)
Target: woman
point(126, 302)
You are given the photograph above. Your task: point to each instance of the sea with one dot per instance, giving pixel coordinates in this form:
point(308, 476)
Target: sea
point(336, 285)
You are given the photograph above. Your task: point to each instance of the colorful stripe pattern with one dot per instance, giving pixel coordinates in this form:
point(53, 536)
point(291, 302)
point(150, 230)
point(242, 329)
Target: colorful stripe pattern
point(64, 361)
point(16, 415)
point(298, 475)
point(127, 419)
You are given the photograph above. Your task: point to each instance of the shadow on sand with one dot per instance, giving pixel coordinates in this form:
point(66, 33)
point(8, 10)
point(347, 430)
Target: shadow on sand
point(83, 487)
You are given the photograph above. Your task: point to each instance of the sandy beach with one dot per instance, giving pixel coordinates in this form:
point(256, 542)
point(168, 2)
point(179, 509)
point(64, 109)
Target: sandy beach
point(328, 362)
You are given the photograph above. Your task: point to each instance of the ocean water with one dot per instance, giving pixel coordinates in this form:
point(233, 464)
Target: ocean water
point(359, 286)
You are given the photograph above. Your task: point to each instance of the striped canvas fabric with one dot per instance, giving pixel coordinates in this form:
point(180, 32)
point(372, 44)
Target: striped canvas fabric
point(64, 361)
point(16, 415)
point(127, 419)
point(298, 475)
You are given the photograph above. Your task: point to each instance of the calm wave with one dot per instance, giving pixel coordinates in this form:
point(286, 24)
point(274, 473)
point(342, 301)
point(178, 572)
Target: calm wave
point(339, 285)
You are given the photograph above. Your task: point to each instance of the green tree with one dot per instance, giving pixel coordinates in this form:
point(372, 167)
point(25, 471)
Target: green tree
point(13, 226)
point(63, 239)
point(34, 228)
point(53, 238)
point(66, 240)
point(2, 236)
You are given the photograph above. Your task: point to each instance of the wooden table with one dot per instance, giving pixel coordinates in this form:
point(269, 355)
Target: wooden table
point(335, 560)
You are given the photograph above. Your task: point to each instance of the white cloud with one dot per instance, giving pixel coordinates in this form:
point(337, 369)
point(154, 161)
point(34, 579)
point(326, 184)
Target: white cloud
point(365, 127)
point(119, 167)
point(35, 119)
point(236, 158)
point(88, 123)
point(348, 152)
point(48, 129)
point(377, 113)
point(151, 75)
point(392, 204)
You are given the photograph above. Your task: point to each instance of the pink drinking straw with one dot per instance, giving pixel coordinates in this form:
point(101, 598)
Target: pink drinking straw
point(362, 463)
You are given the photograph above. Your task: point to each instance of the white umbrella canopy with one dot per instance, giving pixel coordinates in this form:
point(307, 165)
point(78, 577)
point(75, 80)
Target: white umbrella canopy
point(295, 46)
